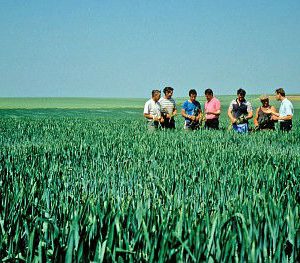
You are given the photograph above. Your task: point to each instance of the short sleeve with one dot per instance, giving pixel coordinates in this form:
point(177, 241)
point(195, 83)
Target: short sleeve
point(199, 105)
point(175, 106)
point(184, 105)
point(231, 105)
point(218, 105)
point(159, 106)
point(249, 107)
point(289, 109)
point(146, 108)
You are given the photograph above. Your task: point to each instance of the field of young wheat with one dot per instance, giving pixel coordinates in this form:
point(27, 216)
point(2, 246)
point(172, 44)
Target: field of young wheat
point(81, 186)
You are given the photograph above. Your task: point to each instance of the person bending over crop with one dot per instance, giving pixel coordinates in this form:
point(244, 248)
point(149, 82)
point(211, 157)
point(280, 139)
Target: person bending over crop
point(286, 111)
point(152, 111)
point(191, 111)
point(168, 108)
point(239, 112)
point(212, 110)
point(262, 119)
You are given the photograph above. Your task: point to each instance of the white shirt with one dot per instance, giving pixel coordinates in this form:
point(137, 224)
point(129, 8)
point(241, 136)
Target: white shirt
point(286, 108)
point(153, 108)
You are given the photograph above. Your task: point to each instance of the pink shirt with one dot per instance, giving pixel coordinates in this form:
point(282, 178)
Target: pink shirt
point(212, 106)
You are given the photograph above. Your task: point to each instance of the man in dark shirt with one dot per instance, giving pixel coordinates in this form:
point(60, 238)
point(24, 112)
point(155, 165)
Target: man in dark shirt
point(239, 112)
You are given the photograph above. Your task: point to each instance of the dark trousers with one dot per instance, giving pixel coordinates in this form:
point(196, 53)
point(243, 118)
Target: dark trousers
point(168, 123)
point(212, 124)
point(286, 125)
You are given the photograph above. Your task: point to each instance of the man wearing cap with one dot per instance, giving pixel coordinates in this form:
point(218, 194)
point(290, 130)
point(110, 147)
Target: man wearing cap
point(168, 108)
point(239, 112)
point(286, 111)
point(262, 119)
point(212, 109)
point(152, 111)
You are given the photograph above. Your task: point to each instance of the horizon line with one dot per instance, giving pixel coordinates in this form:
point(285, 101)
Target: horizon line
point(89, 97)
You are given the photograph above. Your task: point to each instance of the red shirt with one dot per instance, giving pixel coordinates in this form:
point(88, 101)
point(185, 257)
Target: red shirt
point(212, 106)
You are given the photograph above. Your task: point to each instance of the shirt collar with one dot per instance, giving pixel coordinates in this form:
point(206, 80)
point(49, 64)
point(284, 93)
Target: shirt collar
point(211, 100)
point(243, 101)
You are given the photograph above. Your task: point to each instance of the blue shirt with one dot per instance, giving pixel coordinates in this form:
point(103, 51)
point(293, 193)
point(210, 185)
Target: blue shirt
point(191, 108)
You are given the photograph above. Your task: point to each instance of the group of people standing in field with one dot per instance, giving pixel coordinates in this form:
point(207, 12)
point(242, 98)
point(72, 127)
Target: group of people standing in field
point(160, 111)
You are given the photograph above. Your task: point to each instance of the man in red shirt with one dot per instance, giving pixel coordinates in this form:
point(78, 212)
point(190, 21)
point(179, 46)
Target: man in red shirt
point(212, 109)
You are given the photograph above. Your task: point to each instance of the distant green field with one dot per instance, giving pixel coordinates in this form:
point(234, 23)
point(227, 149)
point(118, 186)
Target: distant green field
point(106, 108)
point(69, 103)
point(111, 103)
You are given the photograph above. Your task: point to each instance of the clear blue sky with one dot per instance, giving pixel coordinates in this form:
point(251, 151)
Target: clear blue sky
point(127, 48)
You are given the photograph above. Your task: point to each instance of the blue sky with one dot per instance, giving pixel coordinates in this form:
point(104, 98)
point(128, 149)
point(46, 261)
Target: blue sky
point(127, 48)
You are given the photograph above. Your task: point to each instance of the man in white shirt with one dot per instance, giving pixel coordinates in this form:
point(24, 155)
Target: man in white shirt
point(286, 111)
point(168, 108)
point(152, 111)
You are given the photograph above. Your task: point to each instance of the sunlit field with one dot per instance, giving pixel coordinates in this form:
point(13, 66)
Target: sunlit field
point(83, 180)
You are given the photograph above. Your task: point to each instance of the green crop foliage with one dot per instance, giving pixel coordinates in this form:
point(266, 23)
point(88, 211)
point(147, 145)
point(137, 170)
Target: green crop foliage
point(100, 188)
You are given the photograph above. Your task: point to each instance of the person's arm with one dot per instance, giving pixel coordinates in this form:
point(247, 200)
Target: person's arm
point(199, 116)
point(151, 117)
point(250, 111)
point(174, 112)
point(250, 115)
point(185, 115)
point(289, 116)
point(231, 117)
point(283, 118)
point(272, 111)
point(147, 114)
point(256, 118)
point(183, 111)
point(286, 118)
point(217, 112)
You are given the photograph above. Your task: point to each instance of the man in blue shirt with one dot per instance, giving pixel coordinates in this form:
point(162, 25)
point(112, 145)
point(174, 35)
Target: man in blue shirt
point(191, 111)
point(286, 111)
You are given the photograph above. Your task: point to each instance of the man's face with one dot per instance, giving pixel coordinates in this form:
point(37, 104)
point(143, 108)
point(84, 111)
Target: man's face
point(169, 94)
point(241, 97)
point(278, 96)
point(156, 97)
point(193, 97)
point(265, 103)
point(208, 97)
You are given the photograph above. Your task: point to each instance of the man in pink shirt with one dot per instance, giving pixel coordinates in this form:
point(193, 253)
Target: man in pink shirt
point(212, 109)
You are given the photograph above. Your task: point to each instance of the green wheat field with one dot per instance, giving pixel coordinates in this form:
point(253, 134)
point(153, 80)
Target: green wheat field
point(82, 180)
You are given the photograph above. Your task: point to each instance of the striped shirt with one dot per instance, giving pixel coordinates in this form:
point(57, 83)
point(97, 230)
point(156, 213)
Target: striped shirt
point(168, 105)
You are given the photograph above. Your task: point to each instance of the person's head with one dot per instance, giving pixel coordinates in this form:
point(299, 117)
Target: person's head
point(193, 95)
point(280, 94)
point(264, 99)
point(155, 95)
point(208, 94)
point(168, 91)
point(241, 93)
